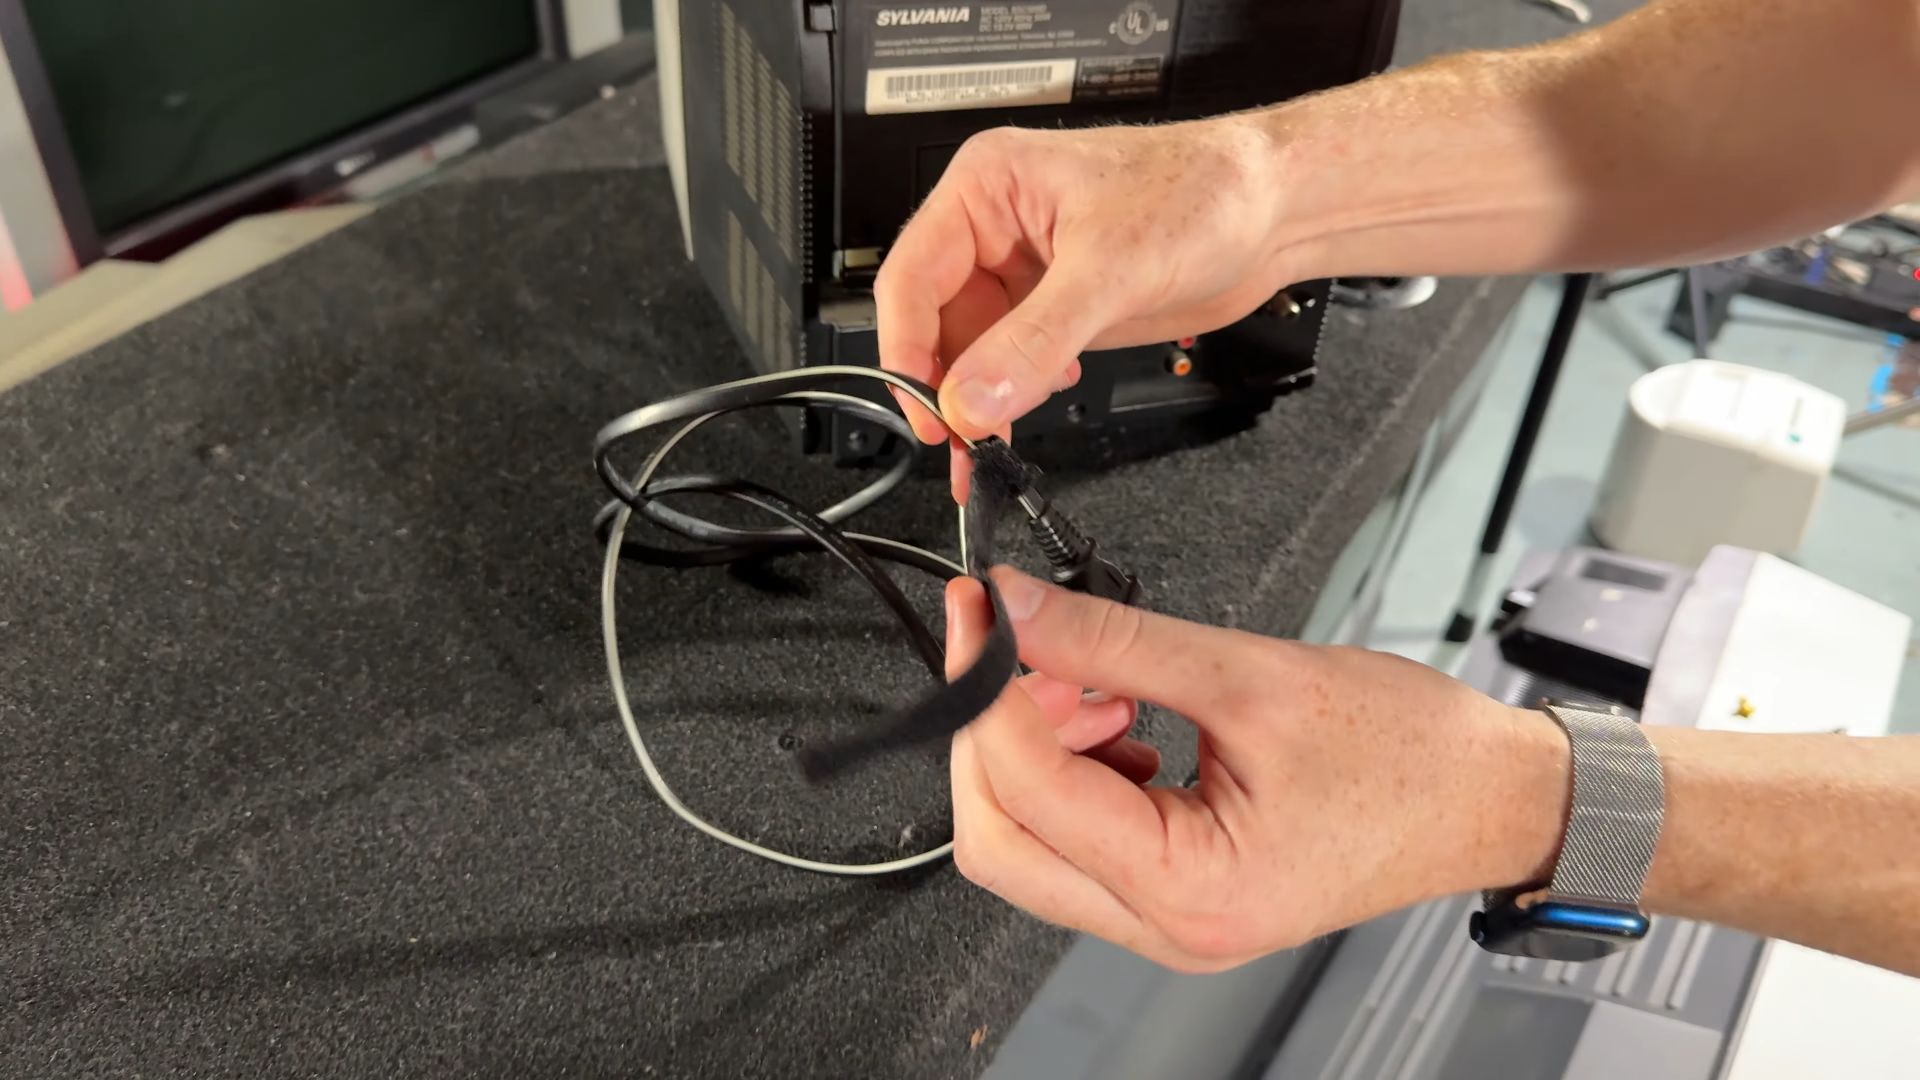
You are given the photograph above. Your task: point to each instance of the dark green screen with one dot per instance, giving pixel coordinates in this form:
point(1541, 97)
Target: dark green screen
point(165, 99)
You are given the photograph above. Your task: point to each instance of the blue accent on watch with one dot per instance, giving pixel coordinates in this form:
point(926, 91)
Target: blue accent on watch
point(1554, 915)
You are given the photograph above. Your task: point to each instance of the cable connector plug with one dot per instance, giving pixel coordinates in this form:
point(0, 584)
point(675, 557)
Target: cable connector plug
point(1075, 559)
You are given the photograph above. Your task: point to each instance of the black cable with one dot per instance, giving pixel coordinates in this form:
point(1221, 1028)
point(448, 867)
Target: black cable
point(717, 405)
point(725, 554)
point(949, 705)
point(822, 535)
point(1001, 480)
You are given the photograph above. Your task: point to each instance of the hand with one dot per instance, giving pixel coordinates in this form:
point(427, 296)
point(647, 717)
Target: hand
point(1335, 784)
point(1093, 725)
point(1036, 245)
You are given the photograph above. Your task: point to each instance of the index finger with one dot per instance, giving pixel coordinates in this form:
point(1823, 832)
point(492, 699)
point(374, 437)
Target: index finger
point(926, 268)
point(1205, 673)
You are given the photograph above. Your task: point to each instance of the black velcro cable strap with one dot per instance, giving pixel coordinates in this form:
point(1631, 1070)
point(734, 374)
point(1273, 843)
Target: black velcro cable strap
point(998, 478)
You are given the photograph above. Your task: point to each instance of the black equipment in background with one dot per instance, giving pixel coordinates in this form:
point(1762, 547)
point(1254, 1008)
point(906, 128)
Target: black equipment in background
point(1867, 273)
point(1593, 621)
point(802, 134)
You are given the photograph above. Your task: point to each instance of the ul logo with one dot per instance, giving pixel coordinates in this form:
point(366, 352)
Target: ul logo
point(1137, 22)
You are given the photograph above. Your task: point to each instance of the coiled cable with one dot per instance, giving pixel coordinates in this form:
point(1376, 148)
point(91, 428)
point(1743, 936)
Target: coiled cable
point(801, 530)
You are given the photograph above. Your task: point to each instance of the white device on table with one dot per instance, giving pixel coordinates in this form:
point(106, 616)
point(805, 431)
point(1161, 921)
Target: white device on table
point(1716, 453)
point(1759, 644)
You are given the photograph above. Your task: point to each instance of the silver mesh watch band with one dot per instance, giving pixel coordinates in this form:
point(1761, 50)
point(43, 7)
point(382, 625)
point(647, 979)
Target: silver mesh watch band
point(1619, 802)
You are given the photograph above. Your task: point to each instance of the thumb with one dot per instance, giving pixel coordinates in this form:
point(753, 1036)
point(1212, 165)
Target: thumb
point(1018, 361)
point(969, 621)
point(1202, 672)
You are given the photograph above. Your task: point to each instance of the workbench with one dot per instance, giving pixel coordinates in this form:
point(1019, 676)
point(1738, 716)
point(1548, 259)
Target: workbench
point(310, 765)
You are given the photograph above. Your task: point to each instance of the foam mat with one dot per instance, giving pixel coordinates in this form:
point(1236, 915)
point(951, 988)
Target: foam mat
point(309, 765)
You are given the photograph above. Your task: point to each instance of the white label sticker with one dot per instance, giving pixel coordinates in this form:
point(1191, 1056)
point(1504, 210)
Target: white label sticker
point(969, 86)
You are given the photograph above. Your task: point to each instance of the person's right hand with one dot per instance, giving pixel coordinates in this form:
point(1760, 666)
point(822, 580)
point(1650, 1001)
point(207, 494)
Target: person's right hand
point(1037, 245)
point(1334, 784)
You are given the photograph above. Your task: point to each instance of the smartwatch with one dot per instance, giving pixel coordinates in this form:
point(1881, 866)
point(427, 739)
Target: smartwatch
point(1590, 907)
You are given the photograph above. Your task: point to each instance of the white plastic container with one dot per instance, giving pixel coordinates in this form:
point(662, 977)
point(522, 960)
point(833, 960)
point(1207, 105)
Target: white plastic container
point(1716, 453)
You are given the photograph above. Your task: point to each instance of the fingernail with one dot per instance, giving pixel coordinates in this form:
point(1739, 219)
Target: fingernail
point(1021, 596)
point(987, 404)
point(949, 604)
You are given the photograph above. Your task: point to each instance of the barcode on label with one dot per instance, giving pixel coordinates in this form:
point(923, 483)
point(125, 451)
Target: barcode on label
point(967, 80)
point(969, 86)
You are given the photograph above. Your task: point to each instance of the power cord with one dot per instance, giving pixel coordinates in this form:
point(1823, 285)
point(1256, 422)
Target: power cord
point(1000, 477)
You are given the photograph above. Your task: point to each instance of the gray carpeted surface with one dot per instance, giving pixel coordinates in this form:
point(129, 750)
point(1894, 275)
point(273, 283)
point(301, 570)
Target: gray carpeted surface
point(309, 762)
point(600, 136)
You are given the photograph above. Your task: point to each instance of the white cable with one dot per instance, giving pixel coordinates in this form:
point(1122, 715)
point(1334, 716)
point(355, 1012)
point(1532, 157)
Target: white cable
point(712, 532)
point(610, 631)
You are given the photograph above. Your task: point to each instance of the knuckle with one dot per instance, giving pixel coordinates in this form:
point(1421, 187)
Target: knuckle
point(973, 863)
point(896, 279)
point(1183, 964)
point(886, 281)
point(1182, 958)
point(1115, 629)
point(1214, 928)
point(1212, 938)
point(983, 145)
point(1035, 346)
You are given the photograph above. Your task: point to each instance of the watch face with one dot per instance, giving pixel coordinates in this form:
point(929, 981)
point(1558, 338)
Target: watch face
point(1556, 930)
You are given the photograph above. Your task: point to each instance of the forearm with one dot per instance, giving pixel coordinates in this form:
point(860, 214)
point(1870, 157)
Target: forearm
point(1810, 838)
point(1689, 130)
point(1813, 839)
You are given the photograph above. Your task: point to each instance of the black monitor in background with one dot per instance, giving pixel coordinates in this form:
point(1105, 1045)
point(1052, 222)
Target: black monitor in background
point(158, 120)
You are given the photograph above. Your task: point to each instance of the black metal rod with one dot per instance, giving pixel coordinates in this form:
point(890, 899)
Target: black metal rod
point(1702, 325)
point(1608, 288)
point(1573, 298)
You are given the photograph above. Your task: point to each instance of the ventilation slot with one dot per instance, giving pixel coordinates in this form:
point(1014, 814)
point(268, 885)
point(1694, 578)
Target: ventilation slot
point(781, 190)
point(765, 315)
point(803, 196)
point(762, 126)
point(764, 137)
point(731, 38)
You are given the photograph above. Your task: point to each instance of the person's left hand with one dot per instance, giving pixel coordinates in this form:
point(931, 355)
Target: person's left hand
point(1334, 784)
